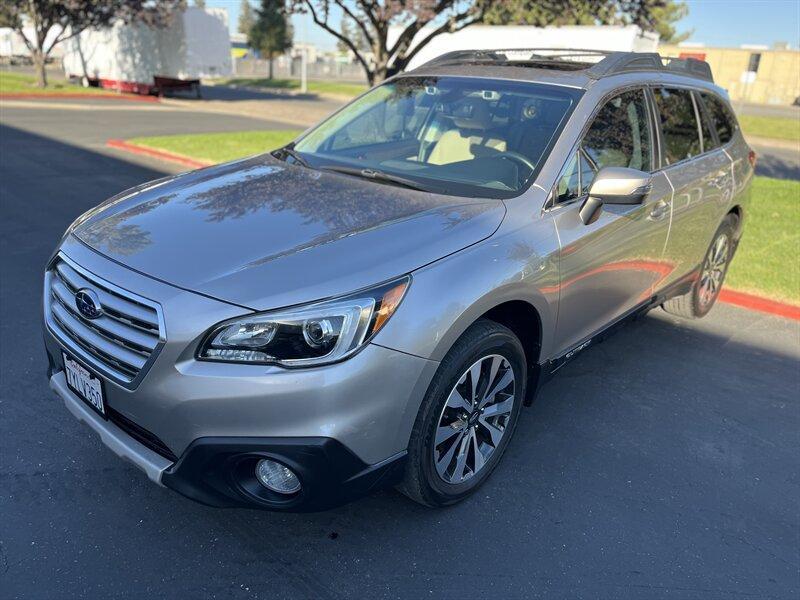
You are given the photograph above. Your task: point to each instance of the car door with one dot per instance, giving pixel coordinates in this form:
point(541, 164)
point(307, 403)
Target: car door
point(699, 171)
point(609, 266)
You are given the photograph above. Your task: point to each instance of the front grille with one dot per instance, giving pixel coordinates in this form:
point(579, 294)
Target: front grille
point(140, 434)
point(121, 342)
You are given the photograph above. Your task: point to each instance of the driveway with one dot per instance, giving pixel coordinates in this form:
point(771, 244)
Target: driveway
point(662, 463)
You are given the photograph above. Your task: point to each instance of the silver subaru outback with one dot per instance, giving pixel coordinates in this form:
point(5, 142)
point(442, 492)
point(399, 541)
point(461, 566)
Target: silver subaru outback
point(374, 303)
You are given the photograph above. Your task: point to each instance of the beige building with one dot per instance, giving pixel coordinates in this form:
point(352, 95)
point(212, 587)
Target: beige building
point(762, 76)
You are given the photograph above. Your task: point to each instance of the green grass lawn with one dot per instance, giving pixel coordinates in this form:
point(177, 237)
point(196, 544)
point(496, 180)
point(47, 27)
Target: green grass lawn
point(768, 259)
point(314, 87)
point(771, 127)
point(767, 262)
point(219, 147)
point(14, 83)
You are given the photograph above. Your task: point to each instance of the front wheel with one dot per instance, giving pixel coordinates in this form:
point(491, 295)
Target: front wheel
point(467, 417)
point(705, 291)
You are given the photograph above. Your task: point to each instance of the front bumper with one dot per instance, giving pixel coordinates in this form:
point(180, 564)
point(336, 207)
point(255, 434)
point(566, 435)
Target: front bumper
point(219, 471)
point(349, 420)
point(117, 440)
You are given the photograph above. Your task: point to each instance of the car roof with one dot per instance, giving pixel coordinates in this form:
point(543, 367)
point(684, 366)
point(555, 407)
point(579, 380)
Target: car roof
point(573, 68)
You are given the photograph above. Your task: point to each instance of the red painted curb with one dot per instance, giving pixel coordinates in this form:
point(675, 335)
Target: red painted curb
point(757, 303)
point(159, 154)
point(77, 96)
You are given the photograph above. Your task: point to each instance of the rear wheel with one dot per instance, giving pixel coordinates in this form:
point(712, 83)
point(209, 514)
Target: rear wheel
point(705, 291)
point(467, 417)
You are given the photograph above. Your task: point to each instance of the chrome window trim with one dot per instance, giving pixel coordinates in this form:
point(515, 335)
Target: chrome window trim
point(72, 347)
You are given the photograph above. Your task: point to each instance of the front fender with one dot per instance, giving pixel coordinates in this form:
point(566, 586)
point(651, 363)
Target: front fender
point(446, 297)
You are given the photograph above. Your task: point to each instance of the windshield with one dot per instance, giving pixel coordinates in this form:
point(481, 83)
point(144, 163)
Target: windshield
point(452, 135)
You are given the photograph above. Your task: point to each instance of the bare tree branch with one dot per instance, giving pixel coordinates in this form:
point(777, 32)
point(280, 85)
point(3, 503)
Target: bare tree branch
point(455, 23)
point(359, 22)
point(349, 43)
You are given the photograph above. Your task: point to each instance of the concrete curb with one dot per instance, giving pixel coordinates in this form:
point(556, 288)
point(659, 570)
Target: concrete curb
point(77, 96)
point(773, 143)
point(158, 154)
point(293, 93)
point(727, 296)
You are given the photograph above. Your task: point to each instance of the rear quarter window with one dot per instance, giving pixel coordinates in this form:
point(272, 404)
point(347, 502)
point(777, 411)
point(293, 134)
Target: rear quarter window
point(721, 116)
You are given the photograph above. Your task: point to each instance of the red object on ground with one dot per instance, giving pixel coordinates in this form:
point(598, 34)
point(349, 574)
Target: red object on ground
point(159, 86)
point(757, 303)
point(159, 154)
point(129, 87)
point(77, 96)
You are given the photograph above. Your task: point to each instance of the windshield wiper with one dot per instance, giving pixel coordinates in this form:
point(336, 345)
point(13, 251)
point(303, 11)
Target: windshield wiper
point(376, 175)
point(288, 150)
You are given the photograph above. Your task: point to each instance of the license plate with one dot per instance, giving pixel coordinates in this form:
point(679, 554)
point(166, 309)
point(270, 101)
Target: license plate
point(84, 384)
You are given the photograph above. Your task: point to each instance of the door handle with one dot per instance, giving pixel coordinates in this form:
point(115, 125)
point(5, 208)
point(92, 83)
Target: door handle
point(659, 211)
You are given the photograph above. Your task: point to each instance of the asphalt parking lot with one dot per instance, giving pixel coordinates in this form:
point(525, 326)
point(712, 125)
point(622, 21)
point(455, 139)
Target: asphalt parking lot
point(662, 463)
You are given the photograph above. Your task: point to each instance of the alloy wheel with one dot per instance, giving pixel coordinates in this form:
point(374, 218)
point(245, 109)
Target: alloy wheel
point(474, 419)
point(713, 270)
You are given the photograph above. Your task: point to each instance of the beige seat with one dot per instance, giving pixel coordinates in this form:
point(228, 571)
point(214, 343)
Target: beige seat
point(470, 134)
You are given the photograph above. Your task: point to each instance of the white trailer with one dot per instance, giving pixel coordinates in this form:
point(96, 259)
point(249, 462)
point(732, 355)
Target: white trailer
point(485, 37)
point(144, 60)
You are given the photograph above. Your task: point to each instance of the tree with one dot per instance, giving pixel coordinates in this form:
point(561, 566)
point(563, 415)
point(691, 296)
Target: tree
point(271, 33)
point(246, 19)
point(200, 3)
point(420, 21)
point(665, 18)
point(54, 21)
point(373, 19)
point(352, 31)
point(650, 15)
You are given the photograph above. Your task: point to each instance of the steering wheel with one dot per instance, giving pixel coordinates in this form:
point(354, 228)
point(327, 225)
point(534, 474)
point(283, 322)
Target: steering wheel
point(521, 158)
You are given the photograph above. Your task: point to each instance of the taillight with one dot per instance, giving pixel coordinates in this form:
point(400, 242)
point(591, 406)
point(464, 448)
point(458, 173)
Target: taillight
point(751, 156)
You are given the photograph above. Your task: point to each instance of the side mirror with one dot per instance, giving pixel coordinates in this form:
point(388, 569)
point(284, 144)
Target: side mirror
point(615, 185)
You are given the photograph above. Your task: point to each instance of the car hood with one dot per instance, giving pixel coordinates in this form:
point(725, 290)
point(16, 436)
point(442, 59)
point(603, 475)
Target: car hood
point(264, 234)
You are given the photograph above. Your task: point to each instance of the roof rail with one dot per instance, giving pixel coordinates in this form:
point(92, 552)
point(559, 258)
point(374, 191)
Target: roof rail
point(625, 62)
point(596, 63)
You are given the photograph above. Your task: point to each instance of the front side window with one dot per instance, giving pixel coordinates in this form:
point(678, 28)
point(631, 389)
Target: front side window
point(721, 115)
point(463, 136)
point(678, 123)
point(618, 137)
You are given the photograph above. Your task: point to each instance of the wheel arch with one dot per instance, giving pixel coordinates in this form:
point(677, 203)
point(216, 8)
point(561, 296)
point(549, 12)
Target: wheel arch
point(738, 211)
point(524, 321)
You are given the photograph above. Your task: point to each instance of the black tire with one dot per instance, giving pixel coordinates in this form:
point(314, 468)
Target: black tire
point(422, 483)
point(691, 305)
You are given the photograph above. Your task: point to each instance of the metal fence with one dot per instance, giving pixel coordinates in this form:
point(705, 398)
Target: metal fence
point(288, 68)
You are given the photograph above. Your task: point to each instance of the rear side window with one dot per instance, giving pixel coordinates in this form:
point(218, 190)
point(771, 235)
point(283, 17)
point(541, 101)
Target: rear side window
point(678, 123)
point(721, 116)
point(707, 127)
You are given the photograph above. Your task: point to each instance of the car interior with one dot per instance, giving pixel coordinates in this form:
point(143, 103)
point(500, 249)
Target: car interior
point(492, 138)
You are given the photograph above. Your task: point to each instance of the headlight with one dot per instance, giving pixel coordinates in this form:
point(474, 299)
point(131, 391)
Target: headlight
point(311, 335)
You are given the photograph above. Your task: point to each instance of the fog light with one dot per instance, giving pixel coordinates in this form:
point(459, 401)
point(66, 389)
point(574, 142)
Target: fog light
point(277, 477)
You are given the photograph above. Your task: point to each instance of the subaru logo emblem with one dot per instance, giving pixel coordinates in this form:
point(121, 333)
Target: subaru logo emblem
point(88, 304)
